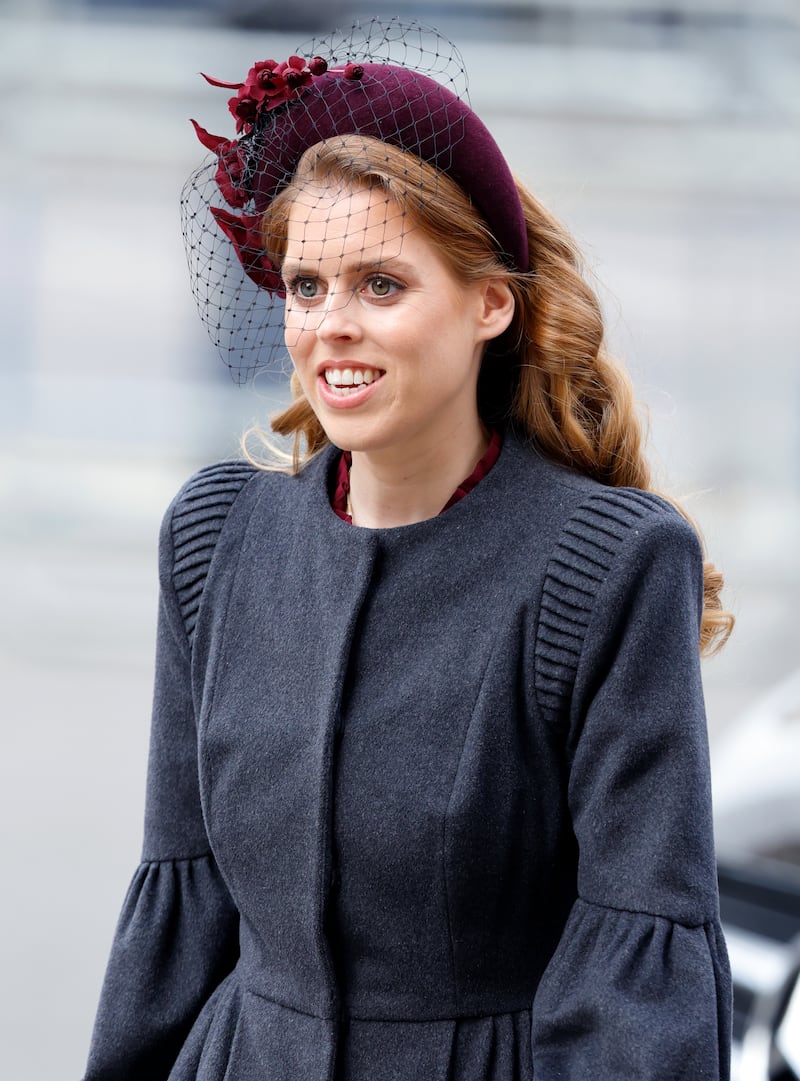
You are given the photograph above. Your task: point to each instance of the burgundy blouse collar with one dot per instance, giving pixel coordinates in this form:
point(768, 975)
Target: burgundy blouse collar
point(342, 478)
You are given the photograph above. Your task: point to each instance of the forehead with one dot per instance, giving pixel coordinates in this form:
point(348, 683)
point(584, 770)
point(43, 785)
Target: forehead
point(329, 223)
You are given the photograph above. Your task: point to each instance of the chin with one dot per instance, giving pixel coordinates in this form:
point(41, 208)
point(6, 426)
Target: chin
point(343, 435)
point(355, 437)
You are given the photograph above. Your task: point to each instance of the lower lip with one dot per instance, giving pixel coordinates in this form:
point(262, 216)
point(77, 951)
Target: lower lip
point(352, 399)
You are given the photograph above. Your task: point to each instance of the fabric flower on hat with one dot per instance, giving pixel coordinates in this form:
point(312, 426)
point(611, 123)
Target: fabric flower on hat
point(244, 232)
point(267, 85)
point(230, 169)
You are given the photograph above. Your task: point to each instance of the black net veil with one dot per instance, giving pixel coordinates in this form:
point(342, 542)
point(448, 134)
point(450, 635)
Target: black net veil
point(332, 93)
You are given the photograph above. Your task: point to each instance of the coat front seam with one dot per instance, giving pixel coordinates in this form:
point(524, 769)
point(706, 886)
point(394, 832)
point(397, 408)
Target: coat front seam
point(327, 808)
point(446, 822)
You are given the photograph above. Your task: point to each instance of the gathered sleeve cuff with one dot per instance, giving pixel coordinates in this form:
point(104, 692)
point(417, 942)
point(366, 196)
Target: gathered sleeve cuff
point(176, 939)
point(639, 986)
point(631, 995)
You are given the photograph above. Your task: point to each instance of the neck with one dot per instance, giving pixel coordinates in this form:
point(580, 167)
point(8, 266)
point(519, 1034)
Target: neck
point(386, 492)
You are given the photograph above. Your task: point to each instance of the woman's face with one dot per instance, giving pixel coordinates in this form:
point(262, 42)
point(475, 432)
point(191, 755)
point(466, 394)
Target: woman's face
point(387, 344)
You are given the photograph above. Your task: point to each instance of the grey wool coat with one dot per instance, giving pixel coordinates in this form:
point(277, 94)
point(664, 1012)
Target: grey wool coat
point(427, 803)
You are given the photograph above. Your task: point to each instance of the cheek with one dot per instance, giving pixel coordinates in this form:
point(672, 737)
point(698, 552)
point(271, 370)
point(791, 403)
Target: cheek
point(303, 376)
point(300, 321)
point(293, 318)
point(298, 331)
point(291, 337)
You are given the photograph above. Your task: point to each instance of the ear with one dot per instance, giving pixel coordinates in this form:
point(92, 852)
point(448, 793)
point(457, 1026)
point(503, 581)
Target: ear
point(496, 310)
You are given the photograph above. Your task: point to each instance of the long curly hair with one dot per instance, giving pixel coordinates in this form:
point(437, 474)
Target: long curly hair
point(549, 375)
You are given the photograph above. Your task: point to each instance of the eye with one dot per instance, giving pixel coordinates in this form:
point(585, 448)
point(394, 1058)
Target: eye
point(306, 288)
point(381, 287)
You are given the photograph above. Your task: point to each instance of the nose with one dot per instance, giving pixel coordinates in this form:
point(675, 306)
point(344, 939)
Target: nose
point(339, 319)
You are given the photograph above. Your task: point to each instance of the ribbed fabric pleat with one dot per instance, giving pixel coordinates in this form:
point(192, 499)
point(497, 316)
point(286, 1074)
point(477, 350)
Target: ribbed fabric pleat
point(196, 525)
point(580, 563)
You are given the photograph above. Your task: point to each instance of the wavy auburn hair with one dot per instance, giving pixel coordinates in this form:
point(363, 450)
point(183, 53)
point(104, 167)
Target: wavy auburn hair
point(548, 375)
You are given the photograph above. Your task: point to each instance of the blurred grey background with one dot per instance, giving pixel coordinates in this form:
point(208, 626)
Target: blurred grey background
point(664, 132)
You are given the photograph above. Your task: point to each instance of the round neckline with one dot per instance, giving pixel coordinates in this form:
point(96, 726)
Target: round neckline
point(339, 479)
point(319, 498)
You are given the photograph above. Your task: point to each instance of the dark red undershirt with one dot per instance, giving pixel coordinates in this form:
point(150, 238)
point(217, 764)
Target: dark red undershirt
point(342, 480)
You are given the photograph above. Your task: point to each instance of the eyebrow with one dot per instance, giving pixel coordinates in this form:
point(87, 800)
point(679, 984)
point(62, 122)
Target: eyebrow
point(393, 264)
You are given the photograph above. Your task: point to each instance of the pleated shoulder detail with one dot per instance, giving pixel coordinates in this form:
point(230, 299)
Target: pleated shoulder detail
point(198, 518)
point(580, 563)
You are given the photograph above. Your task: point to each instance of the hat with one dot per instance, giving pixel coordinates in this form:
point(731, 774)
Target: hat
point(400, 83)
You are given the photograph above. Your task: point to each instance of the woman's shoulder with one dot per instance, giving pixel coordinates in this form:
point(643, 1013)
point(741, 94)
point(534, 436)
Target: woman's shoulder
point(579, 504)
point(205, 499)
point(617, 559)
point(208, 483)
point(209, 494)
point(211, 501)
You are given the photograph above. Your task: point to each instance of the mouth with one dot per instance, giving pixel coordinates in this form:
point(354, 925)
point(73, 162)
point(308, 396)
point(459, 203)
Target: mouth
point(348, 381)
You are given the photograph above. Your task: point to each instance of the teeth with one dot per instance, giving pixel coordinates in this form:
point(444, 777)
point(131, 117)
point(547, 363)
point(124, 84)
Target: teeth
point(345, 378)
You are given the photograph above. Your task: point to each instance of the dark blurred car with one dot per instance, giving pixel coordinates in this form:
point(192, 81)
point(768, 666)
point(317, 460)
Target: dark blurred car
point(756, 770)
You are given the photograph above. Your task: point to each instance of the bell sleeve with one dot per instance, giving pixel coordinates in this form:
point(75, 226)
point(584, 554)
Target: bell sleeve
point(177, 935)
point(639, 986)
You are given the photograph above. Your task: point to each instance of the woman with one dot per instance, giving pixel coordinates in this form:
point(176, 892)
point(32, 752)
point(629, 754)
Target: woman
point(428, 792)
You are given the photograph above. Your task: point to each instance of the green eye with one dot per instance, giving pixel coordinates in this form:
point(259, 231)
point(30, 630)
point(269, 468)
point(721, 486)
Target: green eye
point(381, 287)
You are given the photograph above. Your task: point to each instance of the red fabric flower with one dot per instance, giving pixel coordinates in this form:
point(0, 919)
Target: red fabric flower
point(230, 167)
point(268, 85)
point(264, 80)
point(245, 108)
point(290, 77)
point(243, 231)
point(230, 174)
